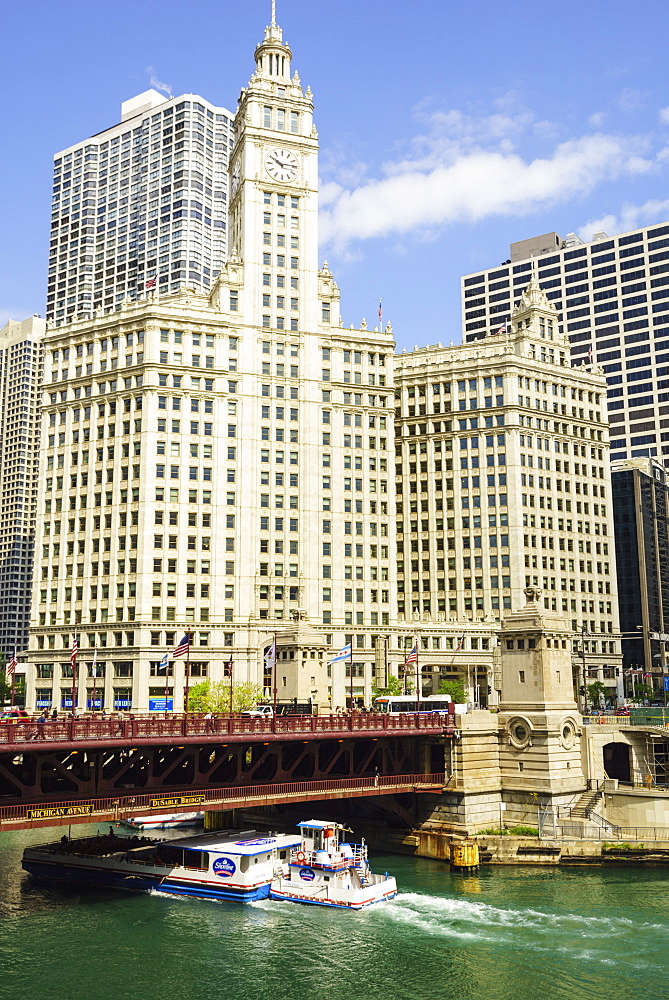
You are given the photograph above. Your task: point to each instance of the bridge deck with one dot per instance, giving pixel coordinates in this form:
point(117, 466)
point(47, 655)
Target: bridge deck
point(70, 811)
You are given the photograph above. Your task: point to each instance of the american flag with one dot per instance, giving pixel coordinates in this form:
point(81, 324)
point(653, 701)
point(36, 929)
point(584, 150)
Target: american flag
point(227, 668)
point(461, 643)
point(413, 656)
point(590, 354)
point(73, 654)
point(380, 308)
point(151, 283)
point(12, 665)
point(183, 647)
point(502, 329)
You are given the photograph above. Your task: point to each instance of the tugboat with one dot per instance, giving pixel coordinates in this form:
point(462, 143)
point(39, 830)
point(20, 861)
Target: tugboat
point(326, 871)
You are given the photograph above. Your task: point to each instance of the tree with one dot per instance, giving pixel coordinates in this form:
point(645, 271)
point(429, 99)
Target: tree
point(456, 689)
point(596, 692)
point(208, 697)
point(198, 697)
point(394, 687)
point(642, 692)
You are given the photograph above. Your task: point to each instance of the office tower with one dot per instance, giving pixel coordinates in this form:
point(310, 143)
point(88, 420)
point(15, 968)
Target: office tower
point(20, 386)
point(641, 518)
point(140, 207)
point(502, 463)
point(612, 296)
point(220, 463)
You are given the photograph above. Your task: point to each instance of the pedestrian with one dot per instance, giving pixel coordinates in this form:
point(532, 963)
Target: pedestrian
point(54, 715)
point(44, 717)
point(119, 719)
point(209, 723)
point(376, 777)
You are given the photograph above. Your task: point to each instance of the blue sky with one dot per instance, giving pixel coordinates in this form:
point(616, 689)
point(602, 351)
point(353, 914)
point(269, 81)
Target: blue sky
point(447, 129)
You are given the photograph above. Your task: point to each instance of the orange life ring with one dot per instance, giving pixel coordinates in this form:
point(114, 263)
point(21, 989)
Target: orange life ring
point(301, 857)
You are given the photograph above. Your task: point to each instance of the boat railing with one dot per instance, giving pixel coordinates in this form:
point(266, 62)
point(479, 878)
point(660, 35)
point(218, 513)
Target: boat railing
point(358, 857)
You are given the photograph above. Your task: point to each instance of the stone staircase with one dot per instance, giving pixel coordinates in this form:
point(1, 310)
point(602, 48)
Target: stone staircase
point(586, 803)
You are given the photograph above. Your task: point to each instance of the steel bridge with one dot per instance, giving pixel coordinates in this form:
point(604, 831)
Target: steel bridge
point(92, 769)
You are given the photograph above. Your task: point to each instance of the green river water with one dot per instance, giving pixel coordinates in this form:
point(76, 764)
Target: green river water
point(521, 933)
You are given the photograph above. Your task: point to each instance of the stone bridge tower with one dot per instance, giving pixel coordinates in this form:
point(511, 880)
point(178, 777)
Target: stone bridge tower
point(539, 724)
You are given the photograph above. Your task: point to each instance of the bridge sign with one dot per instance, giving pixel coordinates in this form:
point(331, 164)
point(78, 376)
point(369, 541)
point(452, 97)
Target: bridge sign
point(59, 812)
point(176, 800)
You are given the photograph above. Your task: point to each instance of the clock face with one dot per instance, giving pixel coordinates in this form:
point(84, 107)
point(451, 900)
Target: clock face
point(281, 164)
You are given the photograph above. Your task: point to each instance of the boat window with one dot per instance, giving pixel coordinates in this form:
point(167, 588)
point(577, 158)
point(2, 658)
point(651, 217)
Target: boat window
point(243, 863)
point(283, 855)
point(196, 859)
point(166, 855)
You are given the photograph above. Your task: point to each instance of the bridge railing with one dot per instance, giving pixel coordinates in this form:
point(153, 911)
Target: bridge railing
point(128, 803)
point(182, 726)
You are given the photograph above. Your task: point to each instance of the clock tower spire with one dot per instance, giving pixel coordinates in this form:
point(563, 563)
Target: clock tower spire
point(273, 55)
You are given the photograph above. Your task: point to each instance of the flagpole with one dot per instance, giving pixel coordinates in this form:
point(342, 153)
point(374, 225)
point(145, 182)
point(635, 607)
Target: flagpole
point(73, 664)
point(13, 676)
point(350, 668)
point(187, 671)
point(95, 676)
point(404, 669)
point(167, 684)
point(274, 691)
point(417, 675)
point(230, 665)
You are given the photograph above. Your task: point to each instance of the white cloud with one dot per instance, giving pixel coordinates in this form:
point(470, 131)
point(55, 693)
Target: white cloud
point(464, 167)
point(629, 217)
point(664, 116)
point(154, 82)
point(453, 180)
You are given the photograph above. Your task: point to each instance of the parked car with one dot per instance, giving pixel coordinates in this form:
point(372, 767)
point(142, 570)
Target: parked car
point(13, 715)
point(623, 711)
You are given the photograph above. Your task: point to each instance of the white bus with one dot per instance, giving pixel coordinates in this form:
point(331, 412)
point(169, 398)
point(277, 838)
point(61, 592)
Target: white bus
point(393, 703)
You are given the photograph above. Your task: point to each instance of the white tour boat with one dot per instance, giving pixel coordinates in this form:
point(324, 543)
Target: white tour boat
point(166, 821)
point(233, 864)
point(327, 872)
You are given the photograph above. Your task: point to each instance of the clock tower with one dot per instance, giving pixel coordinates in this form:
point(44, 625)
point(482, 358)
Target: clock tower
point(274, 192)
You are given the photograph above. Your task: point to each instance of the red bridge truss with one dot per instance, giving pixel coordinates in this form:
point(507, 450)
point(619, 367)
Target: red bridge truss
point(95, 769)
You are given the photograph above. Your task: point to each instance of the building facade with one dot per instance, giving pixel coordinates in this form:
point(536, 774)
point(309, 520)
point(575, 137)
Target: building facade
point(221, 463)
point(140, 206)
point(503, 483)
point(612, 297)
point(218, 458)
point(641, 519)
point(21, 362)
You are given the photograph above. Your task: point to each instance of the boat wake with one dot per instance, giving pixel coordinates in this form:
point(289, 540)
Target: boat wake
point(467, 921)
